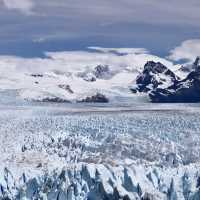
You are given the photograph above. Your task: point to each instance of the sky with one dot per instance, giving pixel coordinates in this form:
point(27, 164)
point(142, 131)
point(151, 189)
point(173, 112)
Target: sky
point(29, 28)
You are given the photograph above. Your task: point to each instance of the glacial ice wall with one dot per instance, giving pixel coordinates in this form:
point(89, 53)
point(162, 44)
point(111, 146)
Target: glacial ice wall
point(50, 154)
point(104, 182)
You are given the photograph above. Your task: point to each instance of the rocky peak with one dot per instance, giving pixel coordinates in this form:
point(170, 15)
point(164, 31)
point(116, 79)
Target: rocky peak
point(154, 74)
point(186, 90)
point(195, 73)
point(197, 62)
point(191, 67)
point(163, 85)
point(154, 67)
point(101, 71)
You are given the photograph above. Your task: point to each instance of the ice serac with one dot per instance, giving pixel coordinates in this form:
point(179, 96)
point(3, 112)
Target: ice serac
point(103, 182)
point(186, 90)
point(154, 75)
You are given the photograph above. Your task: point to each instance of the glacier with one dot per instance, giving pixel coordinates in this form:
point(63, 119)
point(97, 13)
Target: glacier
point(141, 151)
point(99, 182)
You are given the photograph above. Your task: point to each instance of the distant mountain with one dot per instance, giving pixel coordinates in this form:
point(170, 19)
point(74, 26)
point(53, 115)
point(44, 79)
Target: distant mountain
point(163, 85)
point(99, 72)
point(191, 67)
point(155, 75)
point(186, 90)
point(101, 83)
point(106, 83)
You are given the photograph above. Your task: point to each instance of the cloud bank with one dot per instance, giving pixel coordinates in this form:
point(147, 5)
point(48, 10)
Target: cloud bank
point(188, 50)
point(24, 6)
point(132, 59)
point(155, 25)
point(75, 61)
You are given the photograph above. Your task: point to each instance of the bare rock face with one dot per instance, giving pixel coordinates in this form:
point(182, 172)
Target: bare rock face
point(66, 87)
point(54, 100)
point(154, 75)
point(98, 98)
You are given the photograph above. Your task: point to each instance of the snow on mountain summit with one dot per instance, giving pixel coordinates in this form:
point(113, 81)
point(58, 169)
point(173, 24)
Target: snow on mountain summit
point(86, 73)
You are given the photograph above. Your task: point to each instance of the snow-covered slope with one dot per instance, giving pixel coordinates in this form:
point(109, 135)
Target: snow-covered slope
point(106, 71)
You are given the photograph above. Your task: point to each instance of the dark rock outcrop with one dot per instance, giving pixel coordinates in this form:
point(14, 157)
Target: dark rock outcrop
point(66, 87)
point(154, 75)
point(54, 100)
point(98, 98)
point(37, 75)
point(197, 62)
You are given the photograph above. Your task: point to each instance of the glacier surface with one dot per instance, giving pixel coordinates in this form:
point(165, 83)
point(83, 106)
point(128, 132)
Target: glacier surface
point(142, 151)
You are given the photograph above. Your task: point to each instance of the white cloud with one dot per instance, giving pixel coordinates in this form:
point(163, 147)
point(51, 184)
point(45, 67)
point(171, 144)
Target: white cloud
point(188, 49)
point(120, 50)
point(106, 12)
point(124, 22)
point(24, 6)
point(73, 61)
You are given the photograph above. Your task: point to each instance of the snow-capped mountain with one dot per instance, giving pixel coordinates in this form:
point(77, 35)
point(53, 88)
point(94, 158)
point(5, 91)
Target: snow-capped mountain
point(185, 90)
point(74, 76)
point(154, 75)
point(163, 85)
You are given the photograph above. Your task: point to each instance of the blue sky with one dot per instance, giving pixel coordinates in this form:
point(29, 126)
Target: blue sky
point(31, 27)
